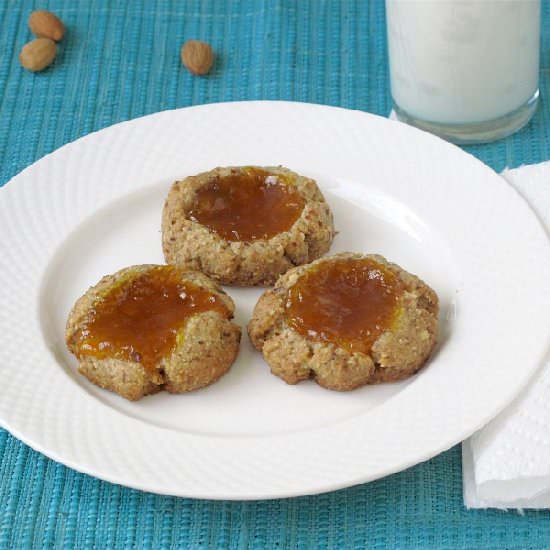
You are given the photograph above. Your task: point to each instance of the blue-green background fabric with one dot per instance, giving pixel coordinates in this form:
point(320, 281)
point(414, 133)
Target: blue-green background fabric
point(120, 60)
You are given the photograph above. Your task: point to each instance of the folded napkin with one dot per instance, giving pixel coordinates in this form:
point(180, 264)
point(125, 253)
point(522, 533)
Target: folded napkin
point(506, 464)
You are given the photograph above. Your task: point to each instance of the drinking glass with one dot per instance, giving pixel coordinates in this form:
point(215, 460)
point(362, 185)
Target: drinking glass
point(466, 70)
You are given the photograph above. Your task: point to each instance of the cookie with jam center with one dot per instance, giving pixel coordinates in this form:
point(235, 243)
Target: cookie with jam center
point(346, 321)
point(153, 327)
point(245, 225)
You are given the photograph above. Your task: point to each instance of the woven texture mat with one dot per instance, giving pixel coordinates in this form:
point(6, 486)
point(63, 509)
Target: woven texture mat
point(120, 60)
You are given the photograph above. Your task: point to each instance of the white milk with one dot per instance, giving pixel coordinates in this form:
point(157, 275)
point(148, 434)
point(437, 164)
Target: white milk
point(463, 61)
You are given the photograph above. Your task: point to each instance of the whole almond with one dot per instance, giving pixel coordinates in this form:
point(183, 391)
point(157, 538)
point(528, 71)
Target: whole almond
point(38, 54)
point(197, 56)
point(45, 24)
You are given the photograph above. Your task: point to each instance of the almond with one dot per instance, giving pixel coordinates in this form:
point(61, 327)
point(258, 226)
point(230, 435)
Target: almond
point(38, 54)
point(197, 56)
point(45, 24)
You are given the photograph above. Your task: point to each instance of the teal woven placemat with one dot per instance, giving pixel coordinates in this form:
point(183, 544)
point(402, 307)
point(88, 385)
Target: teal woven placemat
point(120, 60)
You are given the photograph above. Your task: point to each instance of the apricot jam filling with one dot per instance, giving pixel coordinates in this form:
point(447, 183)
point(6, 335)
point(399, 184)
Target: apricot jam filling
point(347, 302)
point(247, 205)
point(139, 317)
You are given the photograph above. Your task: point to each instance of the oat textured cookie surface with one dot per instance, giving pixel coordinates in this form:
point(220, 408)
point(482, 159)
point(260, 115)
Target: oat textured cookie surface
point(245, 225)
point(149, 328)
point(328, 342)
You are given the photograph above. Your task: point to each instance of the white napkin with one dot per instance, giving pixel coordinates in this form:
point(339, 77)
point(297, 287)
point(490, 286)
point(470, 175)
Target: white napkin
point(506, 464)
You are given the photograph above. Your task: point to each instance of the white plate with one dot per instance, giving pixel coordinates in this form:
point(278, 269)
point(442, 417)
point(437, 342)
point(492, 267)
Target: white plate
point(94, 206)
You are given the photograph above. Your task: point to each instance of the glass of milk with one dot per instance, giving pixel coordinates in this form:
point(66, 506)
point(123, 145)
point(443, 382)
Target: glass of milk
point(466, 70)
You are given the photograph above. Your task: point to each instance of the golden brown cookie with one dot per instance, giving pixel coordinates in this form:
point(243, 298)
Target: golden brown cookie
point(153, 327)
point(346, 321)
point(245, 225)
